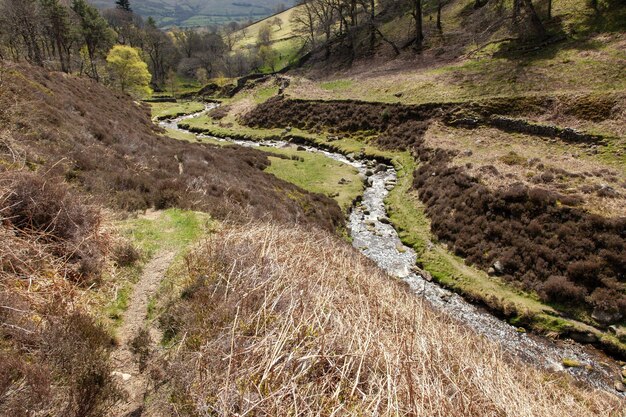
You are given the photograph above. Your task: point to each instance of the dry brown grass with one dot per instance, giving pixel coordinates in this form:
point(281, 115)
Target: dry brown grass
point(280, 322)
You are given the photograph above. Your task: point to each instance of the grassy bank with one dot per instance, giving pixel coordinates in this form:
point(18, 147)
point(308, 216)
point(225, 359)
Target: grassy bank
point(172, 110)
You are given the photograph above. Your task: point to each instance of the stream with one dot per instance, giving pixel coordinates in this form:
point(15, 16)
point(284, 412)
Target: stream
point(375, 237)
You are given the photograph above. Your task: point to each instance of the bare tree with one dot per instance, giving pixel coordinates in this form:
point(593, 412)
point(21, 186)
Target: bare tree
point(264, 36)
point(22, 22)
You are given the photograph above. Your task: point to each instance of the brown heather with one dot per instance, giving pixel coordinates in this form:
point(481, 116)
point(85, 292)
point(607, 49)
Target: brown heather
point(106, 145)
point(279, 321)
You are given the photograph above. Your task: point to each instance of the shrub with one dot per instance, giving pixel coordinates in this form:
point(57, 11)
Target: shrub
point(558, 288)
point(125, 254)
point(46, 207)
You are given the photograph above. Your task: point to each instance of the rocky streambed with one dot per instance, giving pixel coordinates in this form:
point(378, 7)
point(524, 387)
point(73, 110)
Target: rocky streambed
point(373, 234)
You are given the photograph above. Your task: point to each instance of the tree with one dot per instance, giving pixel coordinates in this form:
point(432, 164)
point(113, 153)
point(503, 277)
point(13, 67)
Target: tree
point(127, 25)
point(128, 71)
point(202, 76)
point(95, 32)
point(161, 51)
point(277, 21)
point(268, 57)
point(123, 5)
point(231, 34)
point(439, 7)
point(264, 37)
point(23, 23)
point(58, 29)
point(532, 18)
point(304, 23)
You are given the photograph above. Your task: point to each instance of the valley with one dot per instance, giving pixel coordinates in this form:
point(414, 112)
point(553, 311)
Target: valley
point(342, 209)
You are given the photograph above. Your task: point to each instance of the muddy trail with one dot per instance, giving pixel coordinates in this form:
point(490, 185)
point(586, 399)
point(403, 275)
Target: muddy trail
point(374, 236)
point(127, 365)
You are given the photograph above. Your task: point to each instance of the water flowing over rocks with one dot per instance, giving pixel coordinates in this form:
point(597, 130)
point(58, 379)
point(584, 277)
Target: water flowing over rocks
point(373, 234)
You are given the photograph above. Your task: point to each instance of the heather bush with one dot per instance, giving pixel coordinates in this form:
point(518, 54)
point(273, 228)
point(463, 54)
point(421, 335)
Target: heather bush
point(46, 207)
point(124, 253)
point(558, 288)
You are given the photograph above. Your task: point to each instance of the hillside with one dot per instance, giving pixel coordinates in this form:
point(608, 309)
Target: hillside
point(510, 154)
point(395, 225)
point(197, 13)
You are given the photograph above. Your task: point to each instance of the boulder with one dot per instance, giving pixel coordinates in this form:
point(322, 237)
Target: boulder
point(619, 387)
point(583, 337)
point(498, 268)
point(300, 148)
point(605, 317)
point(384, 220)
point(380, 168)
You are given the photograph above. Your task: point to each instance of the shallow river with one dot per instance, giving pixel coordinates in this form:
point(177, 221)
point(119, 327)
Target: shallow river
point(378, 240)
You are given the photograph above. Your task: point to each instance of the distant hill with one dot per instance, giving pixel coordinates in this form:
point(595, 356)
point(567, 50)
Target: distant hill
point(193, 13)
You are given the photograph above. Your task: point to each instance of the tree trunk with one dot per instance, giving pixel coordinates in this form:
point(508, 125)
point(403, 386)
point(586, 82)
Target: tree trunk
point(439, 27)
point(373, 25)
point(517, 6)
point(419, 33)
point(549, 9)
point(535, 22)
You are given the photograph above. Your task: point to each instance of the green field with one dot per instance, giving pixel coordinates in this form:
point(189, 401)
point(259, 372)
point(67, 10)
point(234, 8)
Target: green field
point(283, 41)
point(317, 173)
point(171, 110)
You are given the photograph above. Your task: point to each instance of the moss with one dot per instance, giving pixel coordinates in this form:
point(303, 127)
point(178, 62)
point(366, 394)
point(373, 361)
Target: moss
point(571, 363)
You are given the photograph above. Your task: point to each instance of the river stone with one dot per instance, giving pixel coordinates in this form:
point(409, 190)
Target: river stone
point(384, 220)
point(380, 168)
point(400, 247)
point(604, 317)
point(497, 266)
point(583, 337)
point(389, 187)
point(300, 148)
point(369, 173)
